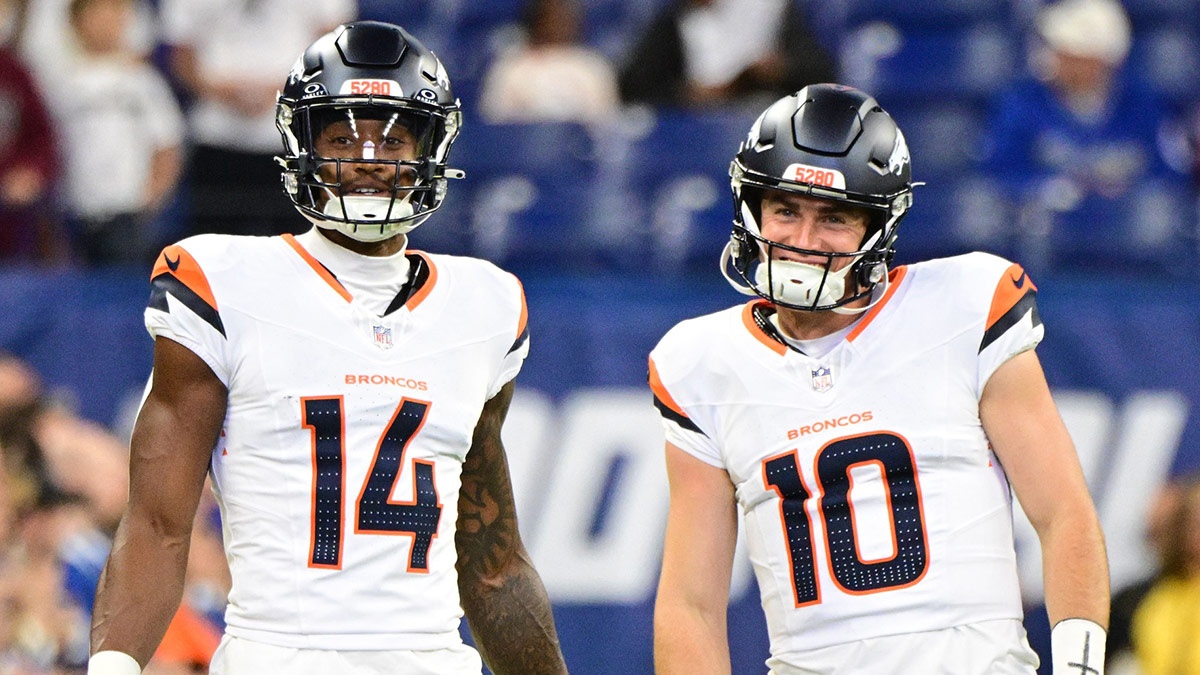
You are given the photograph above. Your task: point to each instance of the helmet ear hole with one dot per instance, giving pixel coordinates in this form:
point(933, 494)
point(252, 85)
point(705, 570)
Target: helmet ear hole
point(870, 272)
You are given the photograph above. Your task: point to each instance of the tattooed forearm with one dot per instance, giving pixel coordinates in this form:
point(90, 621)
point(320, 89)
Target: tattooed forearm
point(502, 595)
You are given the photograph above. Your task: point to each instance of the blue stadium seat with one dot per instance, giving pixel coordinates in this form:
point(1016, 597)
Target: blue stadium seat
point(613, 26)
point(490, 12)
point(956, 214)
point(921, 14)
point(1146, 14)
point(961, 63)
point(945, 135)
point(679, 173)
point(1170, 58)
point(527, 196)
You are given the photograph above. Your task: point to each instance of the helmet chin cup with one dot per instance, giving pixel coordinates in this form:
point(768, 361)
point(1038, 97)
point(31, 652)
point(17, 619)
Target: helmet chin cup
point(797, 283)
point(386, 210)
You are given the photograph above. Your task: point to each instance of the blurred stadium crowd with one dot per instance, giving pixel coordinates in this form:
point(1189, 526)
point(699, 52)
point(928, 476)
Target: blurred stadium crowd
point(597, 137)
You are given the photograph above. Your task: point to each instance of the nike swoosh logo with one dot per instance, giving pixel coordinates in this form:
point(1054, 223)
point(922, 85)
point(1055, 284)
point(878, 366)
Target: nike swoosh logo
point(1019, 281)
point(173, 265)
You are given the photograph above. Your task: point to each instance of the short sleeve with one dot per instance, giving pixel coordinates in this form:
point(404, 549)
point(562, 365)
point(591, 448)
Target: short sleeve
point(511, 364)
point(1012, 324)
point(678, 426)
point(182, 308)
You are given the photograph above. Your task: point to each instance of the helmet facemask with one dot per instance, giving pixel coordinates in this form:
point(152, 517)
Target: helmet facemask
point(370, 168)
point(842, 279)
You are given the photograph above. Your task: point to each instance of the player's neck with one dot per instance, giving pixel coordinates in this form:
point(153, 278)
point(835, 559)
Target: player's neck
point(798, 324)
point(375, 249)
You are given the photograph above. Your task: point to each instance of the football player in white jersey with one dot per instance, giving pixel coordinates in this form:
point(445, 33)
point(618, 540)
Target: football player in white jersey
point(867, 423)
point(346, 396)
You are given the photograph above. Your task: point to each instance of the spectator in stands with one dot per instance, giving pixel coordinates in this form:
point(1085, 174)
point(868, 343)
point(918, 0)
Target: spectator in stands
point(1165, 630)
point(552, 76)
point(1078, 143)
point(24, 474)
point(27, 155)
point(42, 36)
point(123, 132)
point(45, 632)
point(63, 486)
point(1160, 534)
point(228, 54)
point(698, 52)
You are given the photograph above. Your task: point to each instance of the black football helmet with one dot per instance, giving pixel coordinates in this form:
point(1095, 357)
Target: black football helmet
point(831, 142)
point(368, 70)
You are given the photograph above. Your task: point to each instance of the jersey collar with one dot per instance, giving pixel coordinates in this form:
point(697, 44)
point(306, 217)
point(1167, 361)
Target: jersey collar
point(422, 278)
point(765, 334)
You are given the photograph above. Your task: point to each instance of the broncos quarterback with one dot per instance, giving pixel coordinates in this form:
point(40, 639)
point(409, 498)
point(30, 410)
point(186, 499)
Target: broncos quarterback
point(870, 423)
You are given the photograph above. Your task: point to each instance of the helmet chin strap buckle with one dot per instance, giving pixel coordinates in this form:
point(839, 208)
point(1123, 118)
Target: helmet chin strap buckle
point(872, 273)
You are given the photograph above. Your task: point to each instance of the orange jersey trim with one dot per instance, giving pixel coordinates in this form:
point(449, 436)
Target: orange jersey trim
point(1009, 290)
point(524, 309)
point(184, 268)
point(318, 268)
point(752, 326)
point(419, 297)
point(895, 277)
point(660, 391)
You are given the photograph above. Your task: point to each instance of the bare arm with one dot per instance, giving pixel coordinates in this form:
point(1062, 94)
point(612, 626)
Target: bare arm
point(690, 635)
point(164, 173)
point(172, 443)
point(503, 597)
point(1029, 438)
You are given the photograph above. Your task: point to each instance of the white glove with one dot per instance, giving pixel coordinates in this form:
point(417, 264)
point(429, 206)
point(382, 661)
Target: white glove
point(1077, 647)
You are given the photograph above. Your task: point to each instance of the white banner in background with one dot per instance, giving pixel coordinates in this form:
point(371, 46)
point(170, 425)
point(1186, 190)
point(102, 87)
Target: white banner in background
point(591, 487)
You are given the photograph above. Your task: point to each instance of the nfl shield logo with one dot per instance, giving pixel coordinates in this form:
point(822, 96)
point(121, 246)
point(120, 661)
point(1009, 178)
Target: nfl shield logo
point(822, 378)
point(383, 337)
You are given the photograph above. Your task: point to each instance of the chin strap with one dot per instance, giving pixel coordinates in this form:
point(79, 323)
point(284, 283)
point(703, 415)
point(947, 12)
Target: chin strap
point(746, 289)
point(738, 284)
point(1077, 647)
point(877, 294)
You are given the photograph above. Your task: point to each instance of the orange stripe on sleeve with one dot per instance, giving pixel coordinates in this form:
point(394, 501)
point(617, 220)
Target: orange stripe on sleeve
point(660, 391)
point(180, 264)
point(1013, 286)
point(524, 309)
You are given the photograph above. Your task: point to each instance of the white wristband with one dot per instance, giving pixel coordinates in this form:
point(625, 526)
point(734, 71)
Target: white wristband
point(113, 663)
point(1077, 647)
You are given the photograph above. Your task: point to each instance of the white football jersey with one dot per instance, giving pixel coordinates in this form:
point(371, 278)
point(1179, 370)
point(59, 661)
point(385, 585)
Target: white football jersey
point(338, 467)
point(872, 504)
